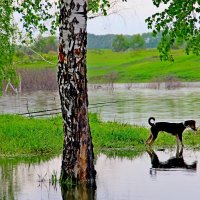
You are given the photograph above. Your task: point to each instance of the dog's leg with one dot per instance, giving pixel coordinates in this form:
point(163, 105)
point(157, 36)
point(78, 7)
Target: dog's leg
point(154, 134)
point(180, 139)
point(177, 141)
point(149, 139)
point(152, 141)
point(181, 153)
point(177, 149)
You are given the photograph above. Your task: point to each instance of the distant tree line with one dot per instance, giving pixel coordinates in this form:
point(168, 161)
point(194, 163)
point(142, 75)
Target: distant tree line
point(100, 41)
point(122, 43)
point(145, 40)
point(109, 41)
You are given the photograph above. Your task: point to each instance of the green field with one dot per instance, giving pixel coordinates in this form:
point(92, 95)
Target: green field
point(105, 66)
point(141, 66)
point(28, 136)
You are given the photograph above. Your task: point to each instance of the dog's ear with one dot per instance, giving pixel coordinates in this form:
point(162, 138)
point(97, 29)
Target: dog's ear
point(191, 124)
point(187, 123)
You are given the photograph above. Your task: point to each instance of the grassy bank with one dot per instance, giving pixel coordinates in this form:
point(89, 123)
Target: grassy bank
point(20, 135)
point(105, 66)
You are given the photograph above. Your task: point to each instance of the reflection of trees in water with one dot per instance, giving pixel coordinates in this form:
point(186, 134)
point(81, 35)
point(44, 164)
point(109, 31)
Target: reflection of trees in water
point(9, 184)
point(81, 192)
point(11, 175)
point(15, 172)
point(176, 161)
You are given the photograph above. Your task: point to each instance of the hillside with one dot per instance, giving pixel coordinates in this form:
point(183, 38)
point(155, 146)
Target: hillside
point(141, 66)
point(105, 66)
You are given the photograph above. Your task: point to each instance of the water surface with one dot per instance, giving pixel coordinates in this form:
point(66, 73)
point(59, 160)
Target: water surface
point(133, 106)
point(118, 178)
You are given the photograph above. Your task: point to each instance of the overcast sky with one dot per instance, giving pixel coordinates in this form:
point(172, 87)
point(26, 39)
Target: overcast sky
point(127, 18)
point(130, 18)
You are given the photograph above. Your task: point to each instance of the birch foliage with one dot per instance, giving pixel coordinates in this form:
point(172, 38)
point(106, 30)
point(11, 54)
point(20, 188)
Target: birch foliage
point(6, 42)
point(179, 21)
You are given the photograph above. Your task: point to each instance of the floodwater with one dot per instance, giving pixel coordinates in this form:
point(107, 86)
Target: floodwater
point(133, 106)
point(153, 175)
point(118, 178)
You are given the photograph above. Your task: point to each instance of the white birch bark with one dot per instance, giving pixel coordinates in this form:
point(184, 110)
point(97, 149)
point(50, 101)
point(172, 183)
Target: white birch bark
point(78, 154)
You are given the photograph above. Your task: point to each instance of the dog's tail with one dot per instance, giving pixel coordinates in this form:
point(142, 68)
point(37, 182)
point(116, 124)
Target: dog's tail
point(149, 120)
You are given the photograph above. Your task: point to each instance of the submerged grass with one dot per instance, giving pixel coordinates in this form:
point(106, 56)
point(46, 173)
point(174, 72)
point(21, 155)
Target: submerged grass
point(20, 135)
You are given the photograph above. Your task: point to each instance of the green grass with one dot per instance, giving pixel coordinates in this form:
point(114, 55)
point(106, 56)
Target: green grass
point(20, 135)
point(28, 136)
point(36, 62)
point(105, 66)
point(141, 66)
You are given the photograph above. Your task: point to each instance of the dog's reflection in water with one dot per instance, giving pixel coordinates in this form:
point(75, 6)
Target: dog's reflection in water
point(175, 162)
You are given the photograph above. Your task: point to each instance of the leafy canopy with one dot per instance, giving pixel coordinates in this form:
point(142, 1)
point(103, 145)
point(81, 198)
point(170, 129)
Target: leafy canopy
point(43, 15)
point(6, 42)
point(179, 21)
point(120, 43)
point(137, 42)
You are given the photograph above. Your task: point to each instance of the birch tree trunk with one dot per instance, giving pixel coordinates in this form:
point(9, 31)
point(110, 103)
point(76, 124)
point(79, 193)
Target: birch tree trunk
point(77, 162)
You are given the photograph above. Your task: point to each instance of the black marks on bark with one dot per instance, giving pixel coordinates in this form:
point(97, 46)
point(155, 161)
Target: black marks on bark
point(72, 5)
point(78, 6)
point(78, 149)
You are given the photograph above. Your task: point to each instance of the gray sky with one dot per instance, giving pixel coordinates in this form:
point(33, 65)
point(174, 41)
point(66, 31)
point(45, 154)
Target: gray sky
point(126, 18)
point(129, 18)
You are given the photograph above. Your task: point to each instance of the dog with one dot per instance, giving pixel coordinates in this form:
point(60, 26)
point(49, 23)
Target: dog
point(176, 129)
